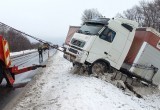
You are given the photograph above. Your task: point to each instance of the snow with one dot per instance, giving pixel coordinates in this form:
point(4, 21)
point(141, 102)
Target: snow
point(14, 54)
point(57, 88)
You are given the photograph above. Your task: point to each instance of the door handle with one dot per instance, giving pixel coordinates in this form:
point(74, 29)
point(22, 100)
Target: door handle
point(106, 53)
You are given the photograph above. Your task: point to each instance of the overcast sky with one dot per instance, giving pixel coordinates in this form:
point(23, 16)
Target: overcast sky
point(50, 19)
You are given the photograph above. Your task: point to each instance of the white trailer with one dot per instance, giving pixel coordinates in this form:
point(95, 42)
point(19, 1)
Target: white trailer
point(146, 64)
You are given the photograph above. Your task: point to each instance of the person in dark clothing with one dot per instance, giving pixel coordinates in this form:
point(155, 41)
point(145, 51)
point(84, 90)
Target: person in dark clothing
point(40, 51)
point(110, 37)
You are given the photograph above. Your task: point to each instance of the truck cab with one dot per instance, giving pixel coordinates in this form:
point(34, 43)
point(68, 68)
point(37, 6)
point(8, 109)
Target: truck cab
point(104, 41)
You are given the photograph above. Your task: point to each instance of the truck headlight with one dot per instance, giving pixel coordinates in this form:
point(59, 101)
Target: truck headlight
point(80, 54)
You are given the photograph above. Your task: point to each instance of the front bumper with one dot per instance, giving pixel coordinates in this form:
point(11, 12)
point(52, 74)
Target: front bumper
point(75, 55)
point(69, 57)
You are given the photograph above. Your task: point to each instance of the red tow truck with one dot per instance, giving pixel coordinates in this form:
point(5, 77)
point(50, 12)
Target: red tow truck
point(6, 71)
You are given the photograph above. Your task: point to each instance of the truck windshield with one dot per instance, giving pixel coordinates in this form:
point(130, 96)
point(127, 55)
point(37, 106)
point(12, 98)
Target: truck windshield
point(90, 28)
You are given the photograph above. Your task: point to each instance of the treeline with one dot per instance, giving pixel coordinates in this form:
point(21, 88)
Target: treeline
point(89, 14)
point(17, 41)
point(147, 14)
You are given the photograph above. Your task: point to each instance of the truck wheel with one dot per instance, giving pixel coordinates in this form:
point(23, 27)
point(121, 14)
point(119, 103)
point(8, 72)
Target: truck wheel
point(98, 68)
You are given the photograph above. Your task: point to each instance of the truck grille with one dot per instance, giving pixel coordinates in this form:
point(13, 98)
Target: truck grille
point(77, 43)
point(72, 50)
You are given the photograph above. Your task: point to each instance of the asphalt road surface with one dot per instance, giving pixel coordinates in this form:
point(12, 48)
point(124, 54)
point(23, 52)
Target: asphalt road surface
point(6, 95)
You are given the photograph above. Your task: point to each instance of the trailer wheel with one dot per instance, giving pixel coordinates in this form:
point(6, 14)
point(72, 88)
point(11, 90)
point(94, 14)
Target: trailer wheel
point(98, 68)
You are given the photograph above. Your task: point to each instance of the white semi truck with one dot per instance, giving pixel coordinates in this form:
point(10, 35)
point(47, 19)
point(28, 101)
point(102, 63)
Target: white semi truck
point(104, 44)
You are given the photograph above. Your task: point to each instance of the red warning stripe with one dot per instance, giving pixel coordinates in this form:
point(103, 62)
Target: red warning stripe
point(6, 53)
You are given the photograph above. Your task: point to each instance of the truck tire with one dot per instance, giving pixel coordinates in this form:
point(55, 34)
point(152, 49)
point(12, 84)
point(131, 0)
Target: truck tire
point(98, 68)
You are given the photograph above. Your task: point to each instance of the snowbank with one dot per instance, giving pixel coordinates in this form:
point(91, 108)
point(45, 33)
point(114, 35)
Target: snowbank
point(15, 54)
point(58, 89)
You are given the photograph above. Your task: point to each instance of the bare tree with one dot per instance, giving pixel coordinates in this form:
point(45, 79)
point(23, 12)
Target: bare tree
point(119, 15)
point(17, 41)
point(3, 30)
point(147, 14)
point(150, 11)
point(135, 13)
point(90, 14)
point(35, 45)
point(157, 5)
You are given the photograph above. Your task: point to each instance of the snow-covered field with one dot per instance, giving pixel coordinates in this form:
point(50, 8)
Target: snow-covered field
point(57, 88)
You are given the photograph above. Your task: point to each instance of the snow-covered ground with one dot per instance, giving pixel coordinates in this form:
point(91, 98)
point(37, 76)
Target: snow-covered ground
point(57, 88)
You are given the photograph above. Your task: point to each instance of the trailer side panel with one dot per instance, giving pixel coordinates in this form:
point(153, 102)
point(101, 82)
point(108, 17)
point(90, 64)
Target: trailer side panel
point(148, 60)
point(148, 35)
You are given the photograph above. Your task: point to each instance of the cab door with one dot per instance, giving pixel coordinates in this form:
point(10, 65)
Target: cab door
point(109, 46)
point(102, 46)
